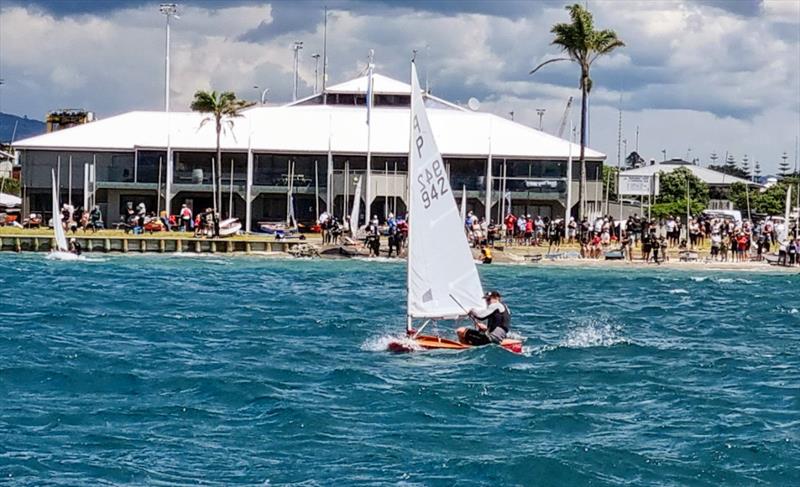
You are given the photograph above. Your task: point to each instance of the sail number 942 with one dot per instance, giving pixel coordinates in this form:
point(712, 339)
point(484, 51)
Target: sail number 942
point(432, 183)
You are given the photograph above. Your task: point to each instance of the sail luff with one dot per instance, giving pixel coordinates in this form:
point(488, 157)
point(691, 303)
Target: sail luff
point(354, 215)
point(58, 227)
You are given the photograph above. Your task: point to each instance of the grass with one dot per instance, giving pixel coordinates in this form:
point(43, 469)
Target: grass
point(47, 232)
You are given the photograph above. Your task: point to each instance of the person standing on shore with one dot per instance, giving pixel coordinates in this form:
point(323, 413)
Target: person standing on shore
point(186, 218)
point(510, 222)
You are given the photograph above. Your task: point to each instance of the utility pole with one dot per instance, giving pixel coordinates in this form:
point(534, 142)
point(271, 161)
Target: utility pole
point(540, 112)
point(316, 71)
point(325, 53)
point(298, 45)
point(170, 10)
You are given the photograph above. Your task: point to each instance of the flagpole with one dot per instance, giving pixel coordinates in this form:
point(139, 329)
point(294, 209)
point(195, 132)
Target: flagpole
point(329, 198)
point(386, 189)
point(368, 195)
point(567, 211)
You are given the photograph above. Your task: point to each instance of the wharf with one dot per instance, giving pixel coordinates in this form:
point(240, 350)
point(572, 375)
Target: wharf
point(149, 244)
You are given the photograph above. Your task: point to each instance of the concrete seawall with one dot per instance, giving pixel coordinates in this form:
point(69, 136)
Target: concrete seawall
point(31, 243)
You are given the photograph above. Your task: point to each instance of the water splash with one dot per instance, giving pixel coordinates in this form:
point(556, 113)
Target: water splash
point(594, 333)
point(381, 343)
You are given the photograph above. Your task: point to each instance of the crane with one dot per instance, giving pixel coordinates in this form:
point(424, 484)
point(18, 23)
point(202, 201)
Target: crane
point(563, 124)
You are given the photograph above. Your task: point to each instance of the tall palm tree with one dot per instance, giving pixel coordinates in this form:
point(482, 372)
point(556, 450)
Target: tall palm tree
point(584, 45)
point(222, 109)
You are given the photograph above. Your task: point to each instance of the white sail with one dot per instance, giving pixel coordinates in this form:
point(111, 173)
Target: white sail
point(58, 228)
point(442, 276)
point(464, 205)
point(788, 205)
point(354, 214)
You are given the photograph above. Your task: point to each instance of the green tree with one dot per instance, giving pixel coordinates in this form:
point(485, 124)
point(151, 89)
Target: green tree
point(771, 201)
point(9, 186)
point(729, 170)
point(222, 109)
point(610, 179)
point(583, 45)
point(672, 194)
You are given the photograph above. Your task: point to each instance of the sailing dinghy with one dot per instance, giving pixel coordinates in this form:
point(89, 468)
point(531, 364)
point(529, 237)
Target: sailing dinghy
point(443, 282)
point(61, 249)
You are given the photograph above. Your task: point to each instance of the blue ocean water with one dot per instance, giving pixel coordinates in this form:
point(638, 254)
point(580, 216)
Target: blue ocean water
point(242, 371)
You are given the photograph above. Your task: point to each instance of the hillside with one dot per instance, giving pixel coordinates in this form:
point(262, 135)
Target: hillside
point(26, 127)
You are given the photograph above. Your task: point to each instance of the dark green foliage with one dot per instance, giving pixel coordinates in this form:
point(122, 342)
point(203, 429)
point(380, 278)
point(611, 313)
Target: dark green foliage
point(10, 186)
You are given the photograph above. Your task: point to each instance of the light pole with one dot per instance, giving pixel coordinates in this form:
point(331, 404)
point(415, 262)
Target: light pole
point(263, 97)
point(298, 45)
point(316, 71)
point(540, 112)
point(169, 10)
point(664, 151)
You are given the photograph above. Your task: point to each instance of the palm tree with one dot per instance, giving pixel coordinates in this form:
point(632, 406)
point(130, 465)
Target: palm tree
point(222, 109)
point(584, 45)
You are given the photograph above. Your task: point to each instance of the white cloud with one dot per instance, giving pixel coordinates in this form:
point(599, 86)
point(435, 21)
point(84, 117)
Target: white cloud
point(692, 75)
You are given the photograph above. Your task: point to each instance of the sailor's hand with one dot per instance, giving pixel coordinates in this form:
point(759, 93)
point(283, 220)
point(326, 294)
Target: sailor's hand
point(481, 326)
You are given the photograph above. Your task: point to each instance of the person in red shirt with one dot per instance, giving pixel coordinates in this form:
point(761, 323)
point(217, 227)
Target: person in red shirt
point(511, 222)
point(528, 230)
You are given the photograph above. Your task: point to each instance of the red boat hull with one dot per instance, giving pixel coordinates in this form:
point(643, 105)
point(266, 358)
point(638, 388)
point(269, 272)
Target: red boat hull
point(430, 342)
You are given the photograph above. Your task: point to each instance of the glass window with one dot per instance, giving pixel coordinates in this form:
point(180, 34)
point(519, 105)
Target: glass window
point(148, 163)
point(469, 172)
point(192, 167)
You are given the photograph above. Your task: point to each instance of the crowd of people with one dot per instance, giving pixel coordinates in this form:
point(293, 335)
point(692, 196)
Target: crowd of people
point(338, 232)
point(74, 219)
point(137, 220)
point(727, 239)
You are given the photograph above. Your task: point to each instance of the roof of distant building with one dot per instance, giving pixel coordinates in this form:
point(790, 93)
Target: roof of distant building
point(316, 128)
point(709, 176)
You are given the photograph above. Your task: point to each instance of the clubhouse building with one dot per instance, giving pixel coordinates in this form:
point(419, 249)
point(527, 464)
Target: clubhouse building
point(316, 148)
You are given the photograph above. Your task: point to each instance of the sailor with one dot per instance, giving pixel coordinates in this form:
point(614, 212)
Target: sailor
point(75, 247)
point(497, 318)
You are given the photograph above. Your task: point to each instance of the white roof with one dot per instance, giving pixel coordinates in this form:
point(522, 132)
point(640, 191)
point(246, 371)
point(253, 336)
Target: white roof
point(709, 176)
point(380, 84)
point(311, 128)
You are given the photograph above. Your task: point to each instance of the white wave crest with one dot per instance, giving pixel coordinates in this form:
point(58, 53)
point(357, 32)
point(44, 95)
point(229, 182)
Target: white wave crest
point(594, 334)
point(678, 291)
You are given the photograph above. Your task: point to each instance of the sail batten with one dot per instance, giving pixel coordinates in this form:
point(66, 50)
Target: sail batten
point(442, 276)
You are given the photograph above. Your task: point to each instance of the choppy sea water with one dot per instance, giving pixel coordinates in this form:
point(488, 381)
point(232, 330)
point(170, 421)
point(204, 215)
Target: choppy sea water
point(175, 371)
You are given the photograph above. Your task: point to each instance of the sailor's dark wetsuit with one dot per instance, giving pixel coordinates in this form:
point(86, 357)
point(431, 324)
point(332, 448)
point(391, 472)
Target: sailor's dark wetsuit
point(498, 322)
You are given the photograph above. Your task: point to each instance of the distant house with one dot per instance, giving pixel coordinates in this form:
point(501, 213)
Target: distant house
point(719, 183)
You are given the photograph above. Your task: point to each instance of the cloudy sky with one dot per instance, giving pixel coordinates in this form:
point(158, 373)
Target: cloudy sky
point(696, 77)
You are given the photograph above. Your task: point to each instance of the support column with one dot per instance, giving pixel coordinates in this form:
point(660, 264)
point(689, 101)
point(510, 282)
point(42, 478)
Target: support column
point(168, 186)
point(488, 202)
point(86, 186)
point(248, 198)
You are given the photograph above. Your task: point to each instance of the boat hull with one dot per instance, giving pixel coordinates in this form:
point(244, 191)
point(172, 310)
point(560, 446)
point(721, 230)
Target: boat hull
point(431, 342)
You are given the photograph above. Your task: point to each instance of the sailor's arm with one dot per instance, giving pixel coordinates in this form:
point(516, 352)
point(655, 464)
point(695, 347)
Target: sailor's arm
point(482, 314)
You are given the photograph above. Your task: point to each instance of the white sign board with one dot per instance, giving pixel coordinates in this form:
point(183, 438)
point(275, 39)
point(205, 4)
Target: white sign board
point(638, 185)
